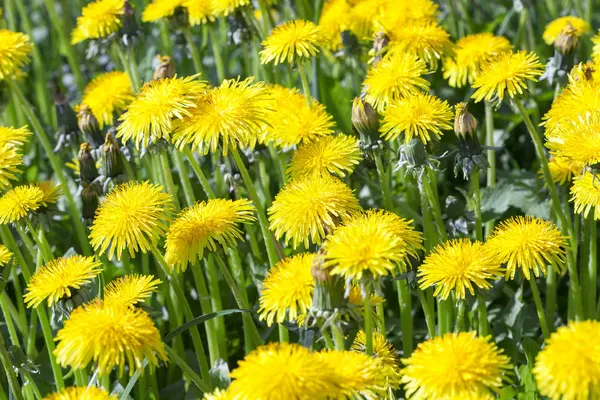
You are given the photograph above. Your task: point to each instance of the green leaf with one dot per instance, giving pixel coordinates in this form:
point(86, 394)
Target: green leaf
point(201, 319)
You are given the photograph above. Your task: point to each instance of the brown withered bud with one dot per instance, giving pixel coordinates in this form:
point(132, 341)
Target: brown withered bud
point(365, 120)
point(87, 165)
point(88, 124)
point(165, 68)
point(567, 40)
point(464, 122)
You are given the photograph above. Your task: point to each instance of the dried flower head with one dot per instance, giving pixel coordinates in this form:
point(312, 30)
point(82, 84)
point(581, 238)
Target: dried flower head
point(554, 28)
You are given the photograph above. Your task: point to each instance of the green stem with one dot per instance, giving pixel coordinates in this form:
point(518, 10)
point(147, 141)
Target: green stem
point(196, 56)
point(284, 334)
point(406, 324)
point(383, 183)
point(217, 54)
point(216, 303)
point(482, 316)
point(551, 292)
point(552, 9)
point(491, 154)
point(338, 337)
point(445, 316)
point(187, 370)
point(539, 308)
point(13, 382)
point(327, 338)
point(186, 184)
point(209, 326)
point(368, 316)
point(305, 85)
point(477, 204)
point(435, 208)
point(135, 74)
point(429, 313)
point(460, 315)
point(40, 240)
point(452, 19)
point(170, 183)
point(199, 174)
point(584, 258)
point(593, 265)
point(127, 67)
point(380, 321)
point(10, 326)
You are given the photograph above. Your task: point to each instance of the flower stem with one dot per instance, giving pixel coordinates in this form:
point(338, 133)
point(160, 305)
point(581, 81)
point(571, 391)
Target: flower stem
point(482, 316)
point(127, 67)
point(216, 303)
point(445, 316)
point(170, 183)
point(338, 337)
point(593, 265)
point(209, 326)
point(460, 315)
point(491, 155)
point(196, 57)
point(551, 292)
point(477, 204)
point(217, 54)
point(368, 315)
point(199, 174)
point(429, 313)
point(189, 372)
point(539, 308)
point(406, 325)
point(186, 184)
point(284, 334)
point(305, 85)
point(435, 208)
point(13, 382)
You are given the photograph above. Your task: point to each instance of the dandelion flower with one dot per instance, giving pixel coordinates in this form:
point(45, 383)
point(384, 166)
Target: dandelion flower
point(429, 41)
point(585, 193)
point(5, 255)
point(231, 115)
point(355, 297)
point(200, 11)
point(130, 290)
point(567, 367)
point(472, 52)
point(218, 394)
point(459, 265)
point(150, 115)
point(111, 336)
point(507, 73)
point(131, 217)
point(108, 94)
point(292, 121)
point(396, 13)
point(308, 207)
point(81, 393)
point(336, 155)
point(578, 141)
point(14, 136)
point(292, 41)
point(159, 9)
point(419, 115)
point(19, 202)
point(455, 366)
point(376, 243)
point(382, 349)
point(98, 19)
point(51, 192)
point(397, 75)
point(563, 169)
point(10, 161)
point(527, 244)
point(59, 277)
point(205, 225)
point(334, 19)
point(287, 289)
point(225, 7)
point(554, 28)
point(14, 53)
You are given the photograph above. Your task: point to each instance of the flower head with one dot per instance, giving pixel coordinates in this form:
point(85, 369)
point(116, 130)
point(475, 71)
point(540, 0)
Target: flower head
point(5, 255)
point(205, 225)
point(159, 9)
point(98, 19)
point(384, 352)
point(292, 41)
point(19, 202)
point(554, 28)
point(10, 161)
point(150, 115)
point(375, 242)
point(14, 136)
point(287, 289)
point(59, 277)
point(419, 115)
point(131, 217)
point(111, 336)
point(472, 52)
point(455, 366)
point(307, 207)
point(108, 94)
point(225, 7)
point(200, 11)
point(395, 76)
point(218, 394)
point(528, 244)
point(507, 73)
point(130, 290)
point(51, 192)
point(14, 53)
point(567, 367)
point(231, 115)
point(429, 41)
point(578, 141)
point(336, 155)
point(459, 265)
point(585, 193)
point(81, 393)
point(563, 169)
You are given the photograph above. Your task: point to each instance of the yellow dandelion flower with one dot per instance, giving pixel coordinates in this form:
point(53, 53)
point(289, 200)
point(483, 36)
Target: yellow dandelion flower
point(159, 9)
point(111, 336)
point(59, 278)
point(355, 297)
point(507, 73)
point(51, 192)
point(455, 366)
point(397, 75)
point(98, 19)
point(306, 208)
point(472, 52)
point(567, 368)
point(10, 161)
point(375, 242)
point(283, 371)
point(292, 121)
point(287, 289)
point(563, 169)
point(225, 7)
point(334, 19)
point(218, 394)
point(151, 114)
point(14, 53)
point(554, 28)
point(383, 351)
point(130, 289)
point(200, 11)
point(131, 217)
point(596, 48)
point(18, 202)
point(585, 193)
point(336, 155)
point(14, 136)
point(81, 393)
point(419, 115)
point(205, 225)
point(291, 42)
point(5, 255)
point(527, 244)
point(578, 141)
point(108, 94)
point(459, 265)
point(231, 115)
point(429, 41)
point(396, 13)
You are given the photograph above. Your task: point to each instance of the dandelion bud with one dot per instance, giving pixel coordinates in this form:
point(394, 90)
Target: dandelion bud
point(416, 153)
point(89, 201)
point(365, 120)
point(567, 40)
point(380, 45)
point(470, 154)
point(87, 165)
point(464, 122)
point(66, 119)
point(112, 159)
point(165, 68)
point(328, 294)
point(88, 124)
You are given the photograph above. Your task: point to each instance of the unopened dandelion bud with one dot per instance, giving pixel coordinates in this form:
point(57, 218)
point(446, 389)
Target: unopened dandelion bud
point(464, 122)
point(416, 153)
point(112, 159)
point(567, 40)
point(88, 124)
point(87, 165)
point(165, 68)
point(365, 120)
point(380, 45)
point(89, 201)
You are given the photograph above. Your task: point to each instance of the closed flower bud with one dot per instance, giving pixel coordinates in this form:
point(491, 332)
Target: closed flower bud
point(89, 201)
point(416, 153)
point(112, 159)
point(365, 120)
point(464, 122)
point(165, 68)
point(87, 165)
point(380, 45)
point(88, 124)
point(470, 153)
point(567, 40)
